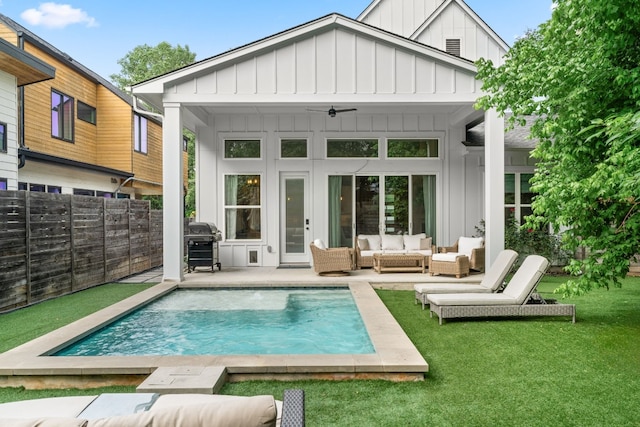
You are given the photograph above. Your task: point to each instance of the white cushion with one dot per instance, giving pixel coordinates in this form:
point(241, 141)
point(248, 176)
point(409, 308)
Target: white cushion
point(425, 252)
point(369, 253)
point(467, 244)
point(392, 242)
point(489, 298)
point(394, 251)
point(319, 244)
point(412, 242)
point(448, 256)
point(374, 240)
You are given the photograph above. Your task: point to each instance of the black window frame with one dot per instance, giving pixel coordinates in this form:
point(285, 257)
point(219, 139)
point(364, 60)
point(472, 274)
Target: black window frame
point(83, 108)
point(61, 121)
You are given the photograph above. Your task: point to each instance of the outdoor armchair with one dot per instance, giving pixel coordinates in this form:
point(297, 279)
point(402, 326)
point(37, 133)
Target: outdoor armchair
point(331, 261)
point(472, 247)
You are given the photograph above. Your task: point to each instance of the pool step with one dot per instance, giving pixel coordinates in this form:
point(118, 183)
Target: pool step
point(184, 379)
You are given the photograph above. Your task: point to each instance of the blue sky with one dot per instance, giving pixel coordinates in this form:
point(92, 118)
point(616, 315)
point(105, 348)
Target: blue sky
point(98, 33)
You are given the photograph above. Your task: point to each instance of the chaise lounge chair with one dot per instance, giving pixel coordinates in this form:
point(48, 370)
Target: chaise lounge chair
point(515, 300)
point(153, 410)
point(492, 281)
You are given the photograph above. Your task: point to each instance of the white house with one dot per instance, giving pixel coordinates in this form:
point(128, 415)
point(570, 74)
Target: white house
point(17, 69)
point(335, 128)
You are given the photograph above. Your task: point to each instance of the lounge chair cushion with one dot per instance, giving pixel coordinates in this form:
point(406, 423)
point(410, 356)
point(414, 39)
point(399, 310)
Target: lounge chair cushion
point(467, 244)
point(43, 422)
point(240, 411)
point(445, 288)
point(392, 242)
point(485, 298)
point(412, 242)
point(494, 276)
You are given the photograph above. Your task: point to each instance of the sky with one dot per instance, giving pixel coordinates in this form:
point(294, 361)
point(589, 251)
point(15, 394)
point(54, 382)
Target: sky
point(98, 33)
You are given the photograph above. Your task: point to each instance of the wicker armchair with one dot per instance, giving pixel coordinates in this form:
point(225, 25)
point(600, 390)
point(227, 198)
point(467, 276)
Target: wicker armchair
point(476, 260)
point(332, 261)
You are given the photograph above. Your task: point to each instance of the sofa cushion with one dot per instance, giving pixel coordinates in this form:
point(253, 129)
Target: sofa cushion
point(392, 242)
point(369, 253)
point(425, 252)
point(240, 411)
point(393, 251)
point(412, 242)
point(448, 256)
point(467, 244)
point(374, 240)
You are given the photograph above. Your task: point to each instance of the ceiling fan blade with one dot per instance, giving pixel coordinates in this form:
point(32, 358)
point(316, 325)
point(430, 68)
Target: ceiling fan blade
point(344, 110)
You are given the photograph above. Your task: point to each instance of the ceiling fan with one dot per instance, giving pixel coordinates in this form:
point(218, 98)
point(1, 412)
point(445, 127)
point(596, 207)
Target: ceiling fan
point(332, 111)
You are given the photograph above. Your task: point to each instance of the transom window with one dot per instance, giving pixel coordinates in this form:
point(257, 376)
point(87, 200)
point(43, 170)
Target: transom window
point(3, 137)
point(61, 116)
point(293, 148)
point(412, 148)
point(242, 149)
point(86, 113)
point(348, 148)
point(140, 134)
point(242, 207)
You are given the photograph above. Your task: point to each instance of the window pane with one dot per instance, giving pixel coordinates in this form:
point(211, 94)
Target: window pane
point(61, 116)
point(242, 149)
point(293, 148)
point(86, 113)
point(37, 187)
point(242, 223)
point(411, 148)
point(143, 135)
point(352, 148)
point(3, 137)
point(294, 214)
point(54, 189)
point(509, 189)
point(3, 183)
point(242, 190)
point(526, 195)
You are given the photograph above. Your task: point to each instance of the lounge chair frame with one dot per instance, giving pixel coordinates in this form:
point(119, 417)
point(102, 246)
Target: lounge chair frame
point(536, 309)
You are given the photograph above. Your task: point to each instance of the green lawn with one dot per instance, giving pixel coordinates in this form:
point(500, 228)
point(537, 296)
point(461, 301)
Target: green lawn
point(507, 372)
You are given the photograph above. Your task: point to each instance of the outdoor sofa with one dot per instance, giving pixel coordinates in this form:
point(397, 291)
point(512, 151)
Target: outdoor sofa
point(369, 244)
point(175, 410)
point(517, 298)
point(492, 281)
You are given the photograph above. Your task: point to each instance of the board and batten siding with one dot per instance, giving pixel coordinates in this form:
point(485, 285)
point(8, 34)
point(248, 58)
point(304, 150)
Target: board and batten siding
point(456, 23)
point(333, 62)
point(401, 16)
point(8, 112)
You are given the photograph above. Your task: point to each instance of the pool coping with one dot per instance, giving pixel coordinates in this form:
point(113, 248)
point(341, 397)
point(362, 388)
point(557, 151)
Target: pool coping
point(396, 357)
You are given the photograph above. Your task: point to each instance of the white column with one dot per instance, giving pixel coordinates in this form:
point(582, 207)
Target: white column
point(173, 197)
point(494, 185)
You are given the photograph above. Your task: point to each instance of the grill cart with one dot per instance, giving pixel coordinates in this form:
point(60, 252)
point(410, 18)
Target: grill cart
point(202, 246)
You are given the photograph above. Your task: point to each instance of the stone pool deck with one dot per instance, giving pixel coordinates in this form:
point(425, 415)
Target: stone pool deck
point(396, 358)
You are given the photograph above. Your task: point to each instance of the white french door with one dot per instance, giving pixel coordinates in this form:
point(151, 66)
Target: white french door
point(294, 217)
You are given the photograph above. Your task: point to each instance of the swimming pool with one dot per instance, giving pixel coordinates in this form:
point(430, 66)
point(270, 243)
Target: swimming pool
point(232, 321)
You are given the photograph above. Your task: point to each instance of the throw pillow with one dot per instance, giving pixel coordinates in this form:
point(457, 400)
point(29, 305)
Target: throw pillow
point(320, 244)
point(425, 244)
point(412, 242)
point(363, 244)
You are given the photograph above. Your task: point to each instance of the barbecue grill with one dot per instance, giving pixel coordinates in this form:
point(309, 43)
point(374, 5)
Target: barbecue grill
point(202, 246)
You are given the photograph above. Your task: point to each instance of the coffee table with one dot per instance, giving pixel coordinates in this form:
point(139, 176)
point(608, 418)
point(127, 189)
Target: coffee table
point(411, 262)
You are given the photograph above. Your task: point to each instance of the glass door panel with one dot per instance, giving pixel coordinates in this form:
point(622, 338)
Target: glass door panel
point(294, 218)
point(396, 205)
point(367, 205)
point(340, 211)
point(423, 207)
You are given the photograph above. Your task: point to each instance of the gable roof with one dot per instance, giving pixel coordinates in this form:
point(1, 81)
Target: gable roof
point(519, 137)
point(300, 33)
point(447, 3)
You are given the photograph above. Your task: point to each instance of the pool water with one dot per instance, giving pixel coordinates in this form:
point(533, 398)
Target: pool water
point(235, 322)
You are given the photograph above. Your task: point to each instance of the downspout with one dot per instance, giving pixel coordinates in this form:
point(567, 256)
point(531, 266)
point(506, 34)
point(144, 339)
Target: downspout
point(22, 159)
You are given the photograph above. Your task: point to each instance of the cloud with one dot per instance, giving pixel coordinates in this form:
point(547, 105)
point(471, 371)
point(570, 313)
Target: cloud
point(54, 15)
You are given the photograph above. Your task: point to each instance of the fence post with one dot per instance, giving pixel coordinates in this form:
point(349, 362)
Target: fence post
point(27, 237)
point(72, 245)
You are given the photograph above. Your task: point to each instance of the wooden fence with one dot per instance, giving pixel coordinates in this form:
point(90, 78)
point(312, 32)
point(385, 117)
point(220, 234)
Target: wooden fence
point(54, 244)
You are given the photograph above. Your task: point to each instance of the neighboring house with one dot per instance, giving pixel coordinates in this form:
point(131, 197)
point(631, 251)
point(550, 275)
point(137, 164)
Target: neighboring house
point(78, 133)
point(276, 166)
point(17, 70)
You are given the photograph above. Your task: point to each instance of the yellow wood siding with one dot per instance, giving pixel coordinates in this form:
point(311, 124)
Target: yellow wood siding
point(115, 124)
point(8, 34)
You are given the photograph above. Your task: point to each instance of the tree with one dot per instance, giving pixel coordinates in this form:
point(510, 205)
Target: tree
point(145, 62)
point(579, 73)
